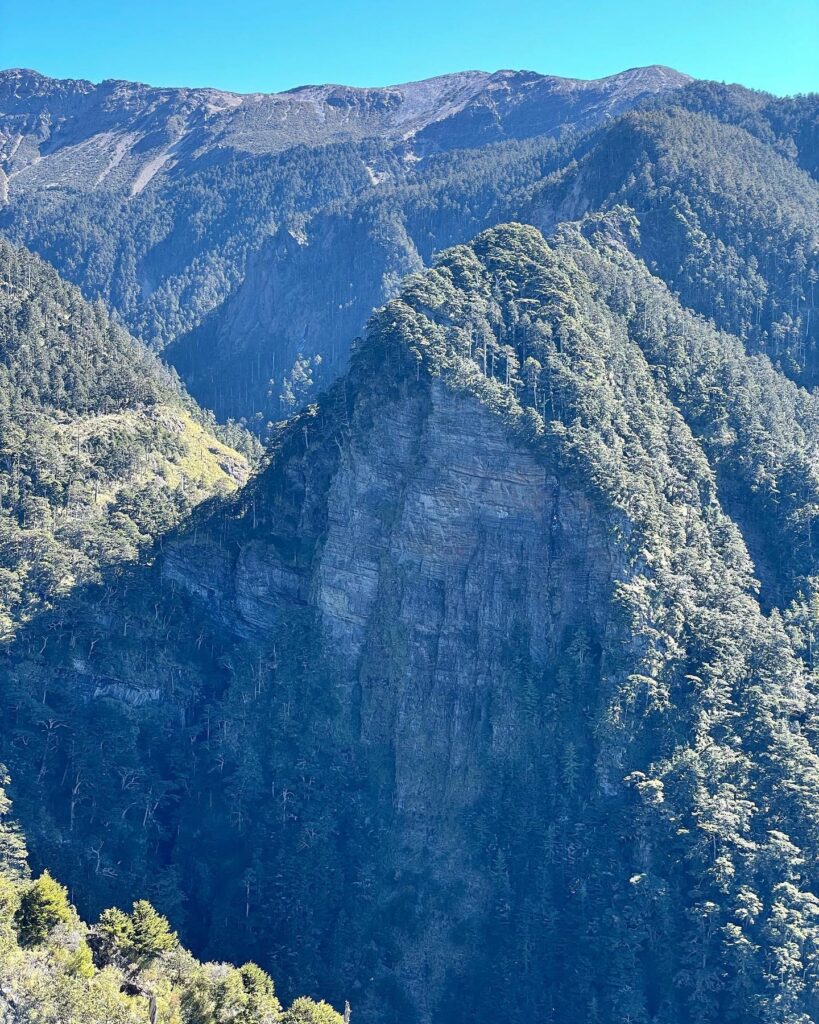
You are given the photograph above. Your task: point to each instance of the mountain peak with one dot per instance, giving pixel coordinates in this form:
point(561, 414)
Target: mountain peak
point(484, 628)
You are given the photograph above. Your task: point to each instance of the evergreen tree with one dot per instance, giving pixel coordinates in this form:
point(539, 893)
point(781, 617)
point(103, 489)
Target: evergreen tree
point(43, 905)
point(307, 1011)
point(13, 852)
point(111, 938)
point(149, 935)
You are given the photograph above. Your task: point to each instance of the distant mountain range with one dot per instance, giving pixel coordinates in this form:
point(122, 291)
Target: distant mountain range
point(74, 134)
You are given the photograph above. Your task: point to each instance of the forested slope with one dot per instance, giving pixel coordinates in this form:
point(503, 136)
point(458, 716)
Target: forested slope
point(467, 706)
point(101, 451)
point(127, 968)
point(728, 221)
point(254, 264)
point(159, 202)
point(726, 207)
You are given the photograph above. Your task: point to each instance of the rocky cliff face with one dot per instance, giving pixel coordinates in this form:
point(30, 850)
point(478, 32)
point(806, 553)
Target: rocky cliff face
point(453, 702)
point(450, 557)
point(437, 545)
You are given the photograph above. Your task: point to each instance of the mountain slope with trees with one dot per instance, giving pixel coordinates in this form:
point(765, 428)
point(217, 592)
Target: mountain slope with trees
point(253, 271)
point(128, 968)
point(101, 450)
point(728, 221)
point(727, 213)
point(493, 694)
point(222, 179)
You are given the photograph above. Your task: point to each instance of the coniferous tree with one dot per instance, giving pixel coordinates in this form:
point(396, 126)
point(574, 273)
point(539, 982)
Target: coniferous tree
point(13, 852)
point(43, 905)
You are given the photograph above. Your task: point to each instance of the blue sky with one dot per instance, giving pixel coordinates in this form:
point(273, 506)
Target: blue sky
point(250, 45)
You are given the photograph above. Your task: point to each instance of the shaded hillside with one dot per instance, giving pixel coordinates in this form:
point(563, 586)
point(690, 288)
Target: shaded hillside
point(127, 968)
point(727, 215)
point(466, 707)
point(307, 294)
point(101, 450)
point(168, 257)
point(158, 201)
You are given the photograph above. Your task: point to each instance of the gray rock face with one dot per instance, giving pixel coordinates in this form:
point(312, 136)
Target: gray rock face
point(444, 513)
point(440, 543)
point(433, 502)
point(447, 556)
point(95, 687)
point(67, 133)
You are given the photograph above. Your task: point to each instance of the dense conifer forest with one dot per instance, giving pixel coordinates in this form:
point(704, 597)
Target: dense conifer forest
point(486, 690)
point(101, 451)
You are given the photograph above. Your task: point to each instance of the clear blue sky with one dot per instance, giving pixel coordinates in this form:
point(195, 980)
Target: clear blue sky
point(252, 45)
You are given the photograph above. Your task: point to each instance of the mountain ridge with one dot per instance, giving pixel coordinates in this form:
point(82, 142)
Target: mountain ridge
point(21, 74)
point(178, 127)
point(307, 291)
